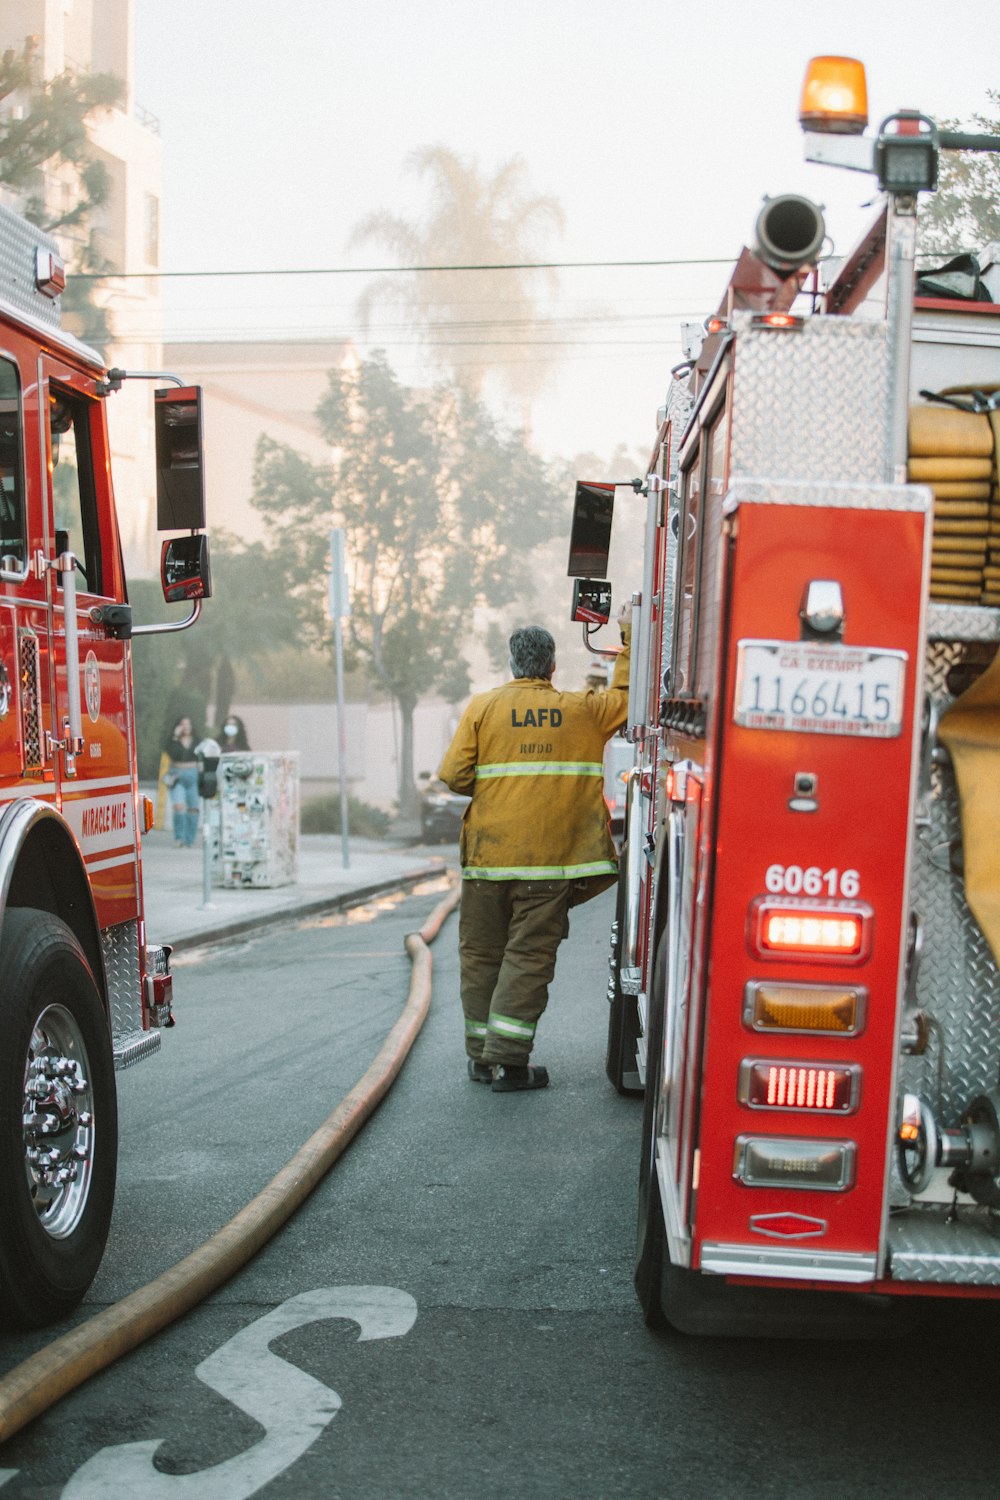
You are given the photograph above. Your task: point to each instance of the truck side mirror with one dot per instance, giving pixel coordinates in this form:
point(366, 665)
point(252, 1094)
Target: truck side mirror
point(590, 537)
point(185, 569)
point(591, 601)
point(180, 476)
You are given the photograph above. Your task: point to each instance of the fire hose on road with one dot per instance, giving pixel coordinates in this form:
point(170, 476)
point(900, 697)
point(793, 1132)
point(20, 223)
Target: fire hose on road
point(54, 1371)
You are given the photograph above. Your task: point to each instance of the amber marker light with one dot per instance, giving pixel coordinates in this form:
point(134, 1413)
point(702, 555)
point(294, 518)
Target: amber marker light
point(834, 96)
point(829, 1010)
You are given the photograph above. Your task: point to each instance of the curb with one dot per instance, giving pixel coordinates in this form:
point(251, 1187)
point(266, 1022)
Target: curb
point(225, 932)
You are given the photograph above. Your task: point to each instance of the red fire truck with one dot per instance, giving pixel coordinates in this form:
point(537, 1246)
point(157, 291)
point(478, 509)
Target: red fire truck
point(82, 991)
point(804, 961)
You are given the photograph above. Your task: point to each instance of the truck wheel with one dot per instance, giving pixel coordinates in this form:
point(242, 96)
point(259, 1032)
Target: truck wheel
point(58, 1120)
point(623, 1013)
point(650, 1248)
point(668, 1294)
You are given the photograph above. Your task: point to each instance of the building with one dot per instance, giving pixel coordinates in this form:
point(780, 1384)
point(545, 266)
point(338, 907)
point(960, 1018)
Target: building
point(97, 36)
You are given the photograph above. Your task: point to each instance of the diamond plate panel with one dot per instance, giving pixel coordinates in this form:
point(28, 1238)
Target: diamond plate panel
point(30, 700)
point(18, 243)
point(925, 1246)
point(678, 410)
point(121, 964)
point(829, 493)
point(813, 402)
point(962, 622)
point(958, 983)
point(135, 1047)
point(710, 588)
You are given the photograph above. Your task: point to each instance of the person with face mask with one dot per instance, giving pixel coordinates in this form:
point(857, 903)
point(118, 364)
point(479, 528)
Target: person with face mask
point(233, 734)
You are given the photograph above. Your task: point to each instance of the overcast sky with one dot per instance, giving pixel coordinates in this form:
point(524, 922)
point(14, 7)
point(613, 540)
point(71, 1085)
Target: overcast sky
point(659, 127)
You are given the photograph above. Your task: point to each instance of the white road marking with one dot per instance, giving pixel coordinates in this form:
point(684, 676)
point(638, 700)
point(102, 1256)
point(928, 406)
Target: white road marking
point(290, 1405)
point(6, 1474)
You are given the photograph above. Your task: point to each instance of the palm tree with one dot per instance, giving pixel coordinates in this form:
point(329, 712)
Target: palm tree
point(472, 322)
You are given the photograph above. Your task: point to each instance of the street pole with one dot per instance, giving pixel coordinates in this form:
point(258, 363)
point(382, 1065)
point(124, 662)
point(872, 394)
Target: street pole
point(208, 752)
point(339, 607)
point(207, 903)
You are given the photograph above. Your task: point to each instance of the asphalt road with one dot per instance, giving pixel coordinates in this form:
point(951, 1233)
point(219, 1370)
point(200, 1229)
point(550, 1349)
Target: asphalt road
point(481, 1246)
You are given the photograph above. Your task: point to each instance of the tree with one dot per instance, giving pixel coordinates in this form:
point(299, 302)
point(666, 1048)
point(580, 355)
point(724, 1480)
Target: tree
point(964, 213)
point(441, 507)
point(48, 137)
point(190, 671)
point(474, 219)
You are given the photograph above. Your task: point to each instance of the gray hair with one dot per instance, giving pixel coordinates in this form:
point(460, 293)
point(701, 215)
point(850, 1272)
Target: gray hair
point(532, 652)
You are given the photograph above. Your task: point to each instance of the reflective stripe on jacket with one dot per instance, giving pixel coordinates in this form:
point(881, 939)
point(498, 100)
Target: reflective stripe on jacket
point(532, 759)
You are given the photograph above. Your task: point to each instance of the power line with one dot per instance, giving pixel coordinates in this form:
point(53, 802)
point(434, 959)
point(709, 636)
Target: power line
point(290, 336)
point(523, 265)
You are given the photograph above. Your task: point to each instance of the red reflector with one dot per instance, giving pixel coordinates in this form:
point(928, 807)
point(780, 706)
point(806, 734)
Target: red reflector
point(792, 930)
point(777, 320)
point(788, 1226)
point(825, 1088)
point(715, 325)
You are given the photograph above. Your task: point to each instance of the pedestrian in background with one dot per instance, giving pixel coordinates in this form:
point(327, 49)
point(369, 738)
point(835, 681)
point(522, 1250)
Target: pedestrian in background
point(233, 735)
point(535, 841)
point(182, 780)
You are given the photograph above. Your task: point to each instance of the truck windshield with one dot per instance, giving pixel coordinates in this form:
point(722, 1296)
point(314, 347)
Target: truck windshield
point(11, 466)
point(73, 498)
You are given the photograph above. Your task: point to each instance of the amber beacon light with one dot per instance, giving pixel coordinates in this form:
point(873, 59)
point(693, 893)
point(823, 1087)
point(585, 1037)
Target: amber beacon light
point(834, 96)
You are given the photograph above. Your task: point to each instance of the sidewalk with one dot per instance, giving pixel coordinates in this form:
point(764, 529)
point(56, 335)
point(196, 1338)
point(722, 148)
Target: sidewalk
point(174, 886)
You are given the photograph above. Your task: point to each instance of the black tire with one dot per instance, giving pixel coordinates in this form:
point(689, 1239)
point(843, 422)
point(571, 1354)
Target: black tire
point(56, 1067)
point(623, 1014)
point(668, 1294)
point(650, 1247)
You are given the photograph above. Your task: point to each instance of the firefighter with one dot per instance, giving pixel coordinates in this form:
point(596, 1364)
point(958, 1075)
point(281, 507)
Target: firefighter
point(535, 841)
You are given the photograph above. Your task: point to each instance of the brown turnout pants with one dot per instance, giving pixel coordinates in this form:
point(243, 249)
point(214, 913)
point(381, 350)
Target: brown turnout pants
point(508, 934)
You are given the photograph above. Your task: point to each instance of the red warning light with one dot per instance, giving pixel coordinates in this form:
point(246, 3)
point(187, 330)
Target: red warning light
point(791, 930)
point(825, 1088)
point(777, 320)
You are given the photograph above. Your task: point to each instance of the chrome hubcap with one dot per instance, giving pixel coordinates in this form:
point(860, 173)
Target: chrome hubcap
point(58, 1122)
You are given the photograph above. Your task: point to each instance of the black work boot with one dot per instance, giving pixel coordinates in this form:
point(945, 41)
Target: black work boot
point(510, 1078)
point(480, 1072)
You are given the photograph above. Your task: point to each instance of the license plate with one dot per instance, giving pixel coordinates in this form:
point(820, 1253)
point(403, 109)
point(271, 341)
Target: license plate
point(810, 688)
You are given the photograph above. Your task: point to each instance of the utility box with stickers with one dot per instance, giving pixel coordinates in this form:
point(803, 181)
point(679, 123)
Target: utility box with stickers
point(255, 837)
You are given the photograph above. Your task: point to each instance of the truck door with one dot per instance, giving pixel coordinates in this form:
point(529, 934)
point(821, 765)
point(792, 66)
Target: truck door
point(94, 778)
point(24, 620)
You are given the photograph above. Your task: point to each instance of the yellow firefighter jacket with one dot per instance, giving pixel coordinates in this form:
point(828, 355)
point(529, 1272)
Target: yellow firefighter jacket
point(532, 759)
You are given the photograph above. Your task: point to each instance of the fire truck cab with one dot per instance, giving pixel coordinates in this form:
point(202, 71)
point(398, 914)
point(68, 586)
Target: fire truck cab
point(804, 980)
point(82, 991)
